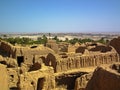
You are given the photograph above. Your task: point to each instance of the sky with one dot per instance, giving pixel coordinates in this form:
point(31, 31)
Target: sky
point(56, 16)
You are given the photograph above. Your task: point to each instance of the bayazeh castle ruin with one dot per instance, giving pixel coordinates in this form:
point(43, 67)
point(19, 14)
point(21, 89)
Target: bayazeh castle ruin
point(90, 66)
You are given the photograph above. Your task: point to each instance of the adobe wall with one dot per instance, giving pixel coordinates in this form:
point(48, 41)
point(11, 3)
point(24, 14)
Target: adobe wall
point(70, 63)
point(116, 44)
point(27, 53)
point(82, 81)
point(71, 48)
point(52, 44)
point(13, 77)
point(6, 47)
point(3, 77)
point(104, 78)
point(63, 47)
point(42, 79)
point(31, 55)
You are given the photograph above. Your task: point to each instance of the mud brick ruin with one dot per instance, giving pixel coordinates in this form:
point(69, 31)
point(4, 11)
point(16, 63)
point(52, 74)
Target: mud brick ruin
point(90, 66)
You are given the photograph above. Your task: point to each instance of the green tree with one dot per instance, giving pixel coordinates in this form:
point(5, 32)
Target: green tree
point(56, 38)
point(10, 40)
point(66, 40)
point(38, 41)
point(18, 40)
point(74, 40)
point(44, 40)
point(86, 40)
point(102, 41)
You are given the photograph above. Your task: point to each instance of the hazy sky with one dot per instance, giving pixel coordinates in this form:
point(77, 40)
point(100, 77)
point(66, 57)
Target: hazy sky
point(59, 15)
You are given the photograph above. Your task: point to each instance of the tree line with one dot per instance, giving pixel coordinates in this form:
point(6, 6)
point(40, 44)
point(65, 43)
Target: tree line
point(44, 39)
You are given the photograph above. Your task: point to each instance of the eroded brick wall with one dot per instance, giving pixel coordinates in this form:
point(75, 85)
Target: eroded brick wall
point(86, 61)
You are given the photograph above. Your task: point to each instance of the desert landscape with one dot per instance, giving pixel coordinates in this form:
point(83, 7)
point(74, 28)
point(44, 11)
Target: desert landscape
point(60, 65)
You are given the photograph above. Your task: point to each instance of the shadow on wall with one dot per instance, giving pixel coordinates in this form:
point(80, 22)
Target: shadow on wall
point(116, 44)
point(35, 66)
point(14, 88)
point(51, 61)
point(68, 81)
point(80, 50)
point(20, 59)
point(101, 49)
point(103, 80)
point(40, 83)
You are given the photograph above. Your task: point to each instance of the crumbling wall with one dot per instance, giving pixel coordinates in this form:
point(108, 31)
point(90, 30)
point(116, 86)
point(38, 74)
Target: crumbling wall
point(90, 48)
point(81, 82)
point(72, 48)
point(67, 81)
point(42, 79)
point(52, 44)
point(32, 54)
point(80, 50)
point(13, 77)
point(70, 63)
point(116, 44)
point(35, 66)
point(26, 54)
point(116, 67)
point(5, 48)
point(104, 79)
point(63, 48)
point(51, 61)
point(3, 78)
point(101, 48)
point(24, 68)
point(9, 62)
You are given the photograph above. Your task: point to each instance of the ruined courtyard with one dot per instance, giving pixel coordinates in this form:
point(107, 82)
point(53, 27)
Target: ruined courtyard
point(63, 66)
